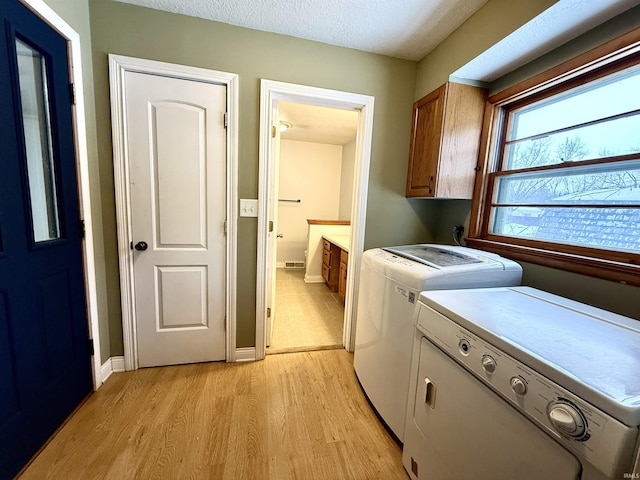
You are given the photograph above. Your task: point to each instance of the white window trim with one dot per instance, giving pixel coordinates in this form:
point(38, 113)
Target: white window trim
point(616, 267)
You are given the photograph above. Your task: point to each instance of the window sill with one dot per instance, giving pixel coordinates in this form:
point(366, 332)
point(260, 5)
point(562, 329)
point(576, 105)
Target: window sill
point(606, 269)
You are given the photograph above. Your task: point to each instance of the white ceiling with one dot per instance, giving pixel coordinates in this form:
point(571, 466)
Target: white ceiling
point(407, 29)
point(560, 23)
point(311, 123)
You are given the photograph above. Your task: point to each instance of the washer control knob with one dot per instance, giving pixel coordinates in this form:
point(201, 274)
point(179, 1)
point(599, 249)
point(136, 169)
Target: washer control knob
point(567, 419)
point(488, 364)
point(518, 385)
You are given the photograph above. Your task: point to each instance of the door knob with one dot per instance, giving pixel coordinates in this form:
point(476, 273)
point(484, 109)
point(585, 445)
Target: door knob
point(141, 246)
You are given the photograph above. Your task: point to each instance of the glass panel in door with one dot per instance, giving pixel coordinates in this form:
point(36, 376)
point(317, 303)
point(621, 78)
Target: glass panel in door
point(36, 119)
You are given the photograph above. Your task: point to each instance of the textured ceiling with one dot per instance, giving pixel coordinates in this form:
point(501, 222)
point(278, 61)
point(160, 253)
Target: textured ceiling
point(563, 21)
point(318, 124)
point(407, 29)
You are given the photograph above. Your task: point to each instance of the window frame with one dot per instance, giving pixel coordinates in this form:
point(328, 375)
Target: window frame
point(619, 266)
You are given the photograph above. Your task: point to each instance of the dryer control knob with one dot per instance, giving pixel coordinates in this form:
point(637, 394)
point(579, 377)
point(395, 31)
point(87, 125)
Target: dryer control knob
point(488, 364)
point(518, 385)
point(567, 419)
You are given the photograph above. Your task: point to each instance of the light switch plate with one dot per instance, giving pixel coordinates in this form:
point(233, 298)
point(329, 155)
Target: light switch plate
point(248, 207)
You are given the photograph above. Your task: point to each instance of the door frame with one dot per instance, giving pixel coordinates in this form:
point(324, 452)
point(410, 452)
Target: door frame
point(118, 66)
point(46, 13)
point(270, 93)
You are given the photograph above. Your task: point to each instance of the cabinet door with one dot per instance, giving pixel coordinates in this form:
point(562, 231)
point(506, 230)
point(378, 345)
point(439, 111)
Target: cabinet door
point(326, 257)
point(426, 136)
point(342, 281)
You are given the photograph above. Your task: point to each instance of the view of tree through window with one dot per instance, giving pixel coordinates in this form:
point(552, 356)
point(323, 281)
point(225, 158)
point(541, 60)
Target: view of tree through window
point(570, 167)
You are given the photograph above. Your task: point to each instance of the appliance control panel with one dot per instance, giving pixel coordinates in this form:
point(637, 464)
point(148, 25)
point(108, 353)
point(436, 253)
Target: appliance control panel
point(587, 431)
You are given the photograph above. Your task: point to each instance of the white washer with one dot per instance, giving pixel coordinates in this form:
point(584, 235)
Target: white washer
point(390, 282)
point(520, 383)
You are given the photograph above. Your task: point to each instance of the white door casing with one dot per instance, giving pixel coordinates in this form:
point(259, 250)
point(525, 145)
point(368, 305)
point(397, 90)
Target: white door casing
point(272, 236)
point(174, 299)
point(270, 93)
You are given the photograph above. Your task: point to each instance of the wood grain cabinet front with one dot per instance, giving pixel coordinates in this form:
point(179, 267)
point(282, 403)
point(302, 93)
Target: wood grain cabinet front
point(330, 264)
point(445, 141)
point(342, 280)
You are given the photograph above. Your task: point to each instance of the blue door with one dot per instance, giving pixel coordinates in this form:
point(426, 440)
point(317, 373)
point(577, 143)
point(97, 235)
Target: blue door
point(45, 364)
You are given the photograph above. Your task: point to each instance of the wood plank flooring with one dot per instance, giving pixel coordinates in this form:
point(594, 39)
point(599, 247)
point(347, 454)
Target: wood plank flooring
point(292, 416)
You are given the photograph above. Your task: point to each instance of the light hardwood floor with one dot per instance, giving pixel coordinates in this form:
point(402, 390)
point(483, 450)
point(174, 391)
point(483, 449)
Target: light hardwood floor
point(308, 316)
point(291, 416)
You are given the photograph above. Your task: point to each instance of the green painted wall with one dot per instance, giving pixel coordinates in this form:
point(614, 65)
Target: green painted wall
point(490, 24)
point(434, 70)
point(76, 14)
point(106, 27)
point(609, 30)
point(140, 32)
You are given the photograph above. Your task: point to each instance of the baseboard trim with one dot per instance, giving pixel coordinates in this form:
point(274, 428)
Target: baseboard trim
point(117, 364)
point(313, 279)
point(112, 365)
point(246, 354)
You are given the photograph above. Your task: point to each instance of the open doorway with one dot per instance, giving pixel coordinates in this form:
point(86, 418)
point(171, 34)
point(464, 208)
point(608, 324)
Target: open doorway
point(315, 171)
point(274, 97)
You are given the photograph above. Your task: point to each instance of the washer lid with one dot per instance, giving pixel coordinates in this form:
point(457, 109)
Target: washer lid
point(591, 352)
point(434, 255)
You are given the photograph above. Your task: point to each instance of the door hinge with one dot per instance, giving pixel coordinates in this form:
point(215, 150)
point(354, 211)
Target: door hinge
point(268, 312)
point(72, 93)
point(273, 131)
point(225, 227)
point(270, 225)
point(91, 349)
point(82, 229)
point(226, 119)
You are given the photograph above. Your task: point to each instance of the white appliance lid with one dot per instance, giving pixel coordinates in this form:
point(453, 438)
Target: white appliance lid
point(592, 352)
point(433, 255)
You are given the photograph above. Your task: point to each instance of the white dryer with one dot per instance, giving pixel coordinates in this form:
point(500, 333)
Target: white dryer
point(519, 383)
point(390, 282)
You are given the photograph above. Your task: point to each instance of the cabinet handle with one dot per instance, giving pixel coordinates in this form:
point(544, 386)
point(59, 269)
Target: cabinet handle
point(430, 393)
point(430, 185)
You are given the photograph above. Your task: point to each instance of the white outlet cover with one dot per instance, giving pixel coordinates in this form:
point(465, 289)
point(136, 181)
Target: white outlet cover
point(248, 207)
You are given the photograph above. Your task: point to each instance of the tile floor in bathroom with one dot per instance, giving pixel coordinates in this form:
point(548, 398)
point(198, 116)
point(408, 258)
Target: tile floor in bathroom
point(308, 316)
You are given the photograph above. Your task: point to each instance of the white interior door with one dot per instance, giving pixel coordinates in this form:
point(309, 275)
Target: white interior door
point(176, 149)
point(272, 235)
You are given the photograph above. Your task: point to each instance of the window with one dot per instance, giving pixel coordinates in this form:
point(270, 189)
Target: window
point(36, 120)
point(562, 182)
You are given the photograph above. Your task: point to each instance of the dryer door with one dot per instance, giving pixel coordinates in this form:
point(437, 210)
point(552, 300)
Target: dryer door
point(467, 432)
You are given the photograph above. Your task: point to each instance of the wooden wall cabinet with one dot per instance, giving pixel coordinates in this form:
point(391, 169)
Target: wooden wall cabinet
point(445, 141)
